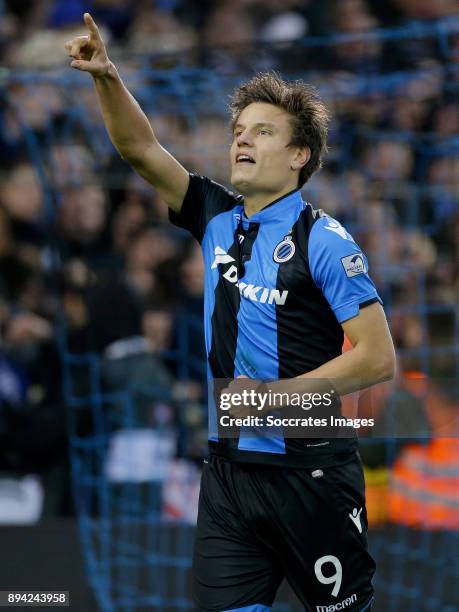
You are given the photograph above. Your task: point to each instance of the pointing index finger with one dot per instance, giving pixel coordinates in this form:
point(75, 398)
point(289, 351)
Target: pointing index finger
point(91, 25)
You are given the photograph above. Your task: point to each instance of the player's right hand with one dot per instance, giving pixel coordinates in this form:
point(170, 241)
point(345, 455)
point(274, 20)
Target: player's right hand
point(88, 52)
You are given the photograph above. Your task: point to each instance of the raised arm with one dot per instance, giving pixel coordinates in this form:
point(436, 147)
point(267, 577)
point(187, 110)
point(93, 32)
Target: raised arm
point(128, 127)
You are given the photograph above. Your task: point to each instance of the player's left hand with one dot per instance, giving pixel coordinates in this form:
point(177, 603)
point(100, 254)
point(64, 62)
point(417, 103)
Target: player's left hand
point(242, 387)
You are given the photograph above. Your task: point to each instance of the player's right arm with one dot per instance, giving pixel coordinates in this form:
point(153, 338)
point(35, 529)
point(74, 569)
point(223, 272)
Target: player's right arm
point(127, 125)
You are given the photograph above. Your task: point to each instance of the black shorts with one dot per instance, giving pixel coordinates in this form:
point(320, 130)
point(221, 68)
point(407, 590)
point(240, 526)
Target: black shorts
point(258, 524)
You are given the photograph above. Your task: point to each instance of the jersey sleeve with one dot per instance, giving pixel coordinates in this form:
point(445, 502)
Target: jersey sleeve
point(203, 200)
point(340, 269)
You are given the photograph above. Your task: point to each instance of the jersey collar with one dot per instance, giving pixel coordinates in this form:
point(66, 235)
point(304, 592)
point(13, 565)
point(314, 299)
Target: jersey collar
point(276, 210)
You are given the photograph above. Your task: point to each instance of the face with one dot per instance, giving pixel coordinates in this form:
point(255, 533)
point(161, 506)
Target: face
point(262, 133)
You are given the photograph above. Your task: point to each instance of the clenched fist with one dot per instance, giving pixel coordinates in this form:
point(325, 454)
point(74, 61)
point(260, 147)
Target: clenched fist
point(88, 52)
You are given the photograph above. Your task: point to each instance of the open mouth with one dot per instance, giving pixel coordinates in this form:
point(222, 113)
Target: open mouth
point(242, 158)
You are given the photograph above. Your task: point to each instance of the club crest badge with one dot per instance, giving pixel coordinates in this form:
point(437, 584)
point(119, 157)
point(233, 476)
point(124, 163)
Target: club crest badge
point(285, 250)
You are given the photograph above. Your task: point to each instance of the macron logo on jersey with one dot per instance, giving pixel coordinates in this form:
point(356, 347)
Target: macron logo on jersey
point(254, 293)
point(342, 605)
point(355, 518)
point(337, 228)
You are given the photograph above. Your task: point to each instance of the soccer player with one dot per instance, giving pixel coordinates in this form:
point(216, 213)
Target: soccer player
point(282, 283)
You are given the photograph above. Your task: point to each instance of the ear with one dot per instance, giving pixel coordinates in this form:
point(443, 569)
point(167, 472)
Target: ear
point(301, 158)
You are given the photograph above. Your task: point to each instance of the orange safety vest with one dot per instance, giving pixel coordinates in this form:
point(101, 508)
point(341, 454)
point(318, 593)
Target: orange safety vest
point(424, 486)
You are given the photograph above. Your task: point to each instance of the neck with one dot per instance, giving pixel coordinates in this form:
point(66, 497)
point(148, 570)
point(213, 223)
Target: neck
point(255, 202)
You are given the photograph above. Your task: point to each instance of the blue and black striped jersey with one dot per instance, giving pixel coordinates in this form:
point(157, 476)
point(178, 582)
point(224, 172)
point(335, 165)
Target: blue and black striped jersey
point(277, 287)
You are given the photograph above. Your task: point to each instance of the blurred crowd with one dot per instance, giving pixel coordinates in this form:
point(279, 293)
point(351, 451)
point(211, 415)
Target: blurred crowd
point(31, 28)
point(88, 261)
